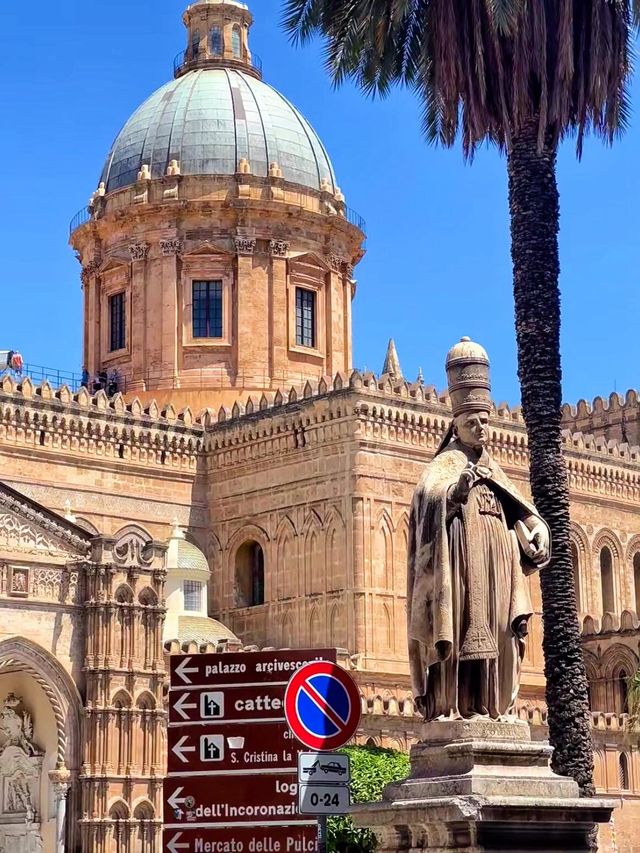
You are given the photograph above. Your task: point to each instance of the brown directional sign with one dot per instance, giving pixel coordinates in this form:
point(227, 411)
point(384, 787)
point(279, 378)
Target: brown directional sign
point(274, 667)
point(229, 800)
point(215, 748)
point(259, 703)
point(293, 838)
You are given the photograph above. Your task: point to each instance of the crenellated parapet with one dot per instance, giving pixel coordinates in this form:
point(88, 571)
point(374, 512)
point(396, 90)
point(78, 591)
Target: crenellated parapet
point(96, 425)
point(614, 419)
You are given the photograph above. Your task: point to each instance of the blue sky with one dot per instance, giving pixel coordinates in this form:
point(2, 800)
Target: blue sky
point(438, 263)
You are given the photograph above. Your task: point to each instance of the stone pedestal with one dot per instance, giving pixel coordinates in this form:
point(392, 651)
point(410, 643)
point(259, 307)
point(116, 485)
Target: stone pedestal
point(482, 786)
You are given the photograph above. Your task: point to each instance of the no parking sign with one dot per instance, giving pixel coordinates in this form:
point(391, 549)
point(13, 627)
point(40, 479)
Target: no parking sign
point(322, 706)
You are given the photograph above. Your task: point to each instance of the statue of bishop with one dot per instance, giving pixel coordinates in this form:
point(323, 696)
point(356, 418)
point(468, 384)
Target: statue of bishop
point(473, 539)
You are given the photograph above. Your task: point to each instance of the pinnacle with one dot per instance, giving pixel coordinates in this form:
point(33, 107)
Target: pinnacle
point(391, 365)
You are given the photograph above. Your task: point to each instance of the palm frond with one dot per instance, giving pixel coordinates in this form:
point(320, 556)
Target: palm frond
point(484, 69)
point(633, 701)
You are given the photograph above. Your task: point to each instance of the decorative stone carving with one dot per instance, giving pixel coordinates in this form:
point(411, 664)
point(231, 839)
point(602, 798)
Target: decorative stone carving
point(278, 248)
point(24, 529)
point(132, 551)
point(245, 245)
point(335, 262)
point(19, 583)
point(170, 247)
point(46, 583)
point(89, 270)
point(16, 729)
point(139, 251)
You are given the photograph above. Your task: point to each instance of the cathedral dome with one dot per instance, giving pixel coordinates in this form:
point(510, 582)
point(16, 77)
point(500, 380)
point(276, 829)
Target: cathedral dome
point(210, 119)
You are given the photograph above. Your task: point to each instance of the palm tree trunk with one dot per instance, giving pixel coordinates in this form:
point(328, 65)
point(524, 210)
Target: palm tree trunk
point(534, 208)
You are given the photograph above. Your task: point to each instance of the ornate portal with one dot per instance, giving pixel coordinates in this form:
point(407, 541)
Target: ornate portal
point(473, 538)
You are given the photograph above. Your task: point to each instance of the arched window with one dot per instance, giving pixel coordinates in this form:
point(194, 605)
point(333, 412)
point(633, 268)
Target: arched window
point(236, 42)
point(606, 580)
point(216, 41)
point(575, 561)
point(249, 575)
point(636, 579)
point(623, 772)
point(621, 692)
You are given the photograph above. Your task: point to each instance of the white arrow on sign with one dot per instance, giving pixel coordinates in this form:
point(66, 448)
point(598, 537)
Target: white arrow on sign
point(183, 668)
point(173, 845)
point(174, 800)
point(182, 704)
point(180, 749)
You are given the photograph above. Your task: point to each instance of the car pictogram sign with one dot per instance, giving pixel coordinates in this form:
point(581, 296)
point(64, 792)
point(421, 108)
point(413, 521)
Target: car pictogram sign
point(322, 706)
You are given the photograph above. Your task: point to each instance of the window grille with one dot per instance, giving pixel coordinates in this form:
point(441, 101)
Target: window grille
point(116, 322)
point(192, 596)
point(305, 317)
point(207, 309)
point(623, 772)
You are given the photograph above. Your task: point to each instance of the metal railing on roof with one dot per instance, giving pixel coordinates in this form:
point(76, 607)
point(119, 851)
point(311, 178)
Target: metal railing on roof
point(189, 57)
point(81, 218)
point(39, 374)
point(354, 218)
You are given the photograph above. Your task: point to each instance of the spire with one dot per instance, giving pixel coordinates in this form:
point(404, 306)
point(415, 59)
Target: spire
point(391, 365)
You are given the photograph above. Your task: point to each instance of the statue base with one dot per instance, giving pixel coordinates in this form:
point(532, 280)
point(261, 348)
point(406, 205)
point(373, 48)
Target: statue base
point(482, 786)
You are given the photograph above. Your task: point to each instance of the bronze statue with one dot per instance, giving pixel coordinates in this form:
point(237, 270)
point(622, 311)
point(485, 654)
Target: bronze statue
point(472, 540)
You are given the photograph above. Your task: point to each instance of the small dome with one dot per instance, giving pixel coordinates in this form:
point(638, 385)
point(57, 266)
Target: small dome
point(201, 629)
point(190, 557)
point(208, 120)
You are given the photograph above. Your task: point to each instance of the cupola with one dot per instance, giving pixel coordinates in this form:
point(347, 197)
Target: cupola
point(217, 36)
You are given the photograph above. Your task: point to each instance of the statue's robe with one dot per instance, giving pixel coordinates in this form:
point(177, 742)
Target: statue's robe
point(466, 589)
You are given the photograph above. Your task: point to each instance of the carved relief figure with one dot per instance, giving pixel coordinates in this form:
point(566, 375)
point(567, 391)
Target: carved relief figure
point(18, 798)
point(16, 728)
point(20, 581)
point(473, 538)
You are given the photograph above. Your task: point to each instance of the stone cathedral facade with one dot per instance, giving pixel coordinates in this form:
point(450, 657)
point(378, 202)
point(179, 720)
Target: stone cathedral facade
point(224, 478)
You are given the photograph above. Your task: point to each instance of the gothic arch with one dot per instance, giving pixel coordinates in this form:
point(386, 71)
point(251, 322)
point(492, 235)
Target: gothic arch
point(610, 590)
point(123, 697)
point(118, 809)
point(314, 570)
point(147, 597)
point(243, 534)
point(400, 556)
point(135, 530)
point(618, 657)
point(607, 537)
point(25, 655)
point(286, 568)
point(335, 550)
point(287, 631)
point(382, 556)
point(632, 548)
point(143, 810)
point(124, 594)
point(315, 638)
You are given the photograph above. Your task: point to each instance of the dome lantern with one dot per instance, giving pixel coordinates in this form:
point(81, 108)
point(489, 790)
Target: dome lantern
point(217, 36)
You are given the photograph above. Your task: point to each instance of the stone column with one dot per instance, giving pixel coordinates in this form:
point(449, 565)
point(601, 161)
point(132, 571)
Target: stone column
point(170, 250)
point(334, 317)
point(278, 313)
point(60, 780)
point(252, 312)
point(138, 318)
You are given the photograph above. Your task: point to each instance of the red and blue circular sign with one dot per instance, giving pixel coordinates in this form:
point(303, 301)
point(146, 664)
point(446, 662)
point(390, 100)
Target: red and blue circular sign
point(322, 705)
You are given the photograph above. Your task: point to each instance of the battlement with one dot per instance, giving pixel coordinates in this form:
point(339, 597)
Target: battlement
point(616, 419)
point(610, 623)
point(64, 416)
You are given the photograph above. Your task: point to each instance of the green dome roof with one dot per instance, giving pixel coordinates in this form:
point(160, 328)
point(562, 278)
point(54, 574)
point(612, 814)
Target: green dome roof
point(208, 120)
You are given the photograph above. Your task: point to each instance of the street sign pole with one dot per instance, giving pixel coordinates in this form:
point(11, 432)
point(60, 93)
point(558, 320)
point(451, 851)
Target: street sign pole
point(322, 834)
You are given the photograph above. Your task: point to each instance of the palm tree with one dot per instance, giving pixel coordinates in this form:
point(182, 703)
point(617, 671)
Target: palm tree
point(633, 701)
point(521, 74)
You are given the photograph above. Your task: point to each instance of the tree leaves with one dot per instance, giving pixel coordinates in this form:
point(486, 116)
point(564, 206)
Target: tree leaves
point(372, 768)
point(483, 68)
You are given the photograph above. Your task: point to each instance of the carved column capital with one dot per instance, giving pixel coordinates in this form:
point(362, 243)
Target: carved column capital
point(89, 270)
point(245, 245)
point(171, 247)
point(139, 251)
point(336, 263)
point(278, 248)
